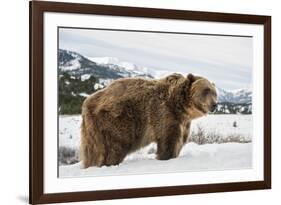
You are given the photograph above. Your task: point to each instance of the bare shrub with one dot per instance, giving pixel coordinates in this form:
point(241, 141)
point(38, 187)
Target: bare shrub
point(201, 136)
point(237, 138)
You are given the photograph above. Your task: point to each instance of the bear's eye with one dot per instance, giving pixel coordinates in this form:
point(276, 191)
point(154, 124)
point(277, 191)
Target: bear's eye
point(206, 91)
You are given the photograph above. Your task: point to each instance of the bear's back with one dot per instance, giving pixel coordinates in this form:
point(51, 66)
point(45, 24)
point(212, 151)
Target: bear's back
point(121, 92)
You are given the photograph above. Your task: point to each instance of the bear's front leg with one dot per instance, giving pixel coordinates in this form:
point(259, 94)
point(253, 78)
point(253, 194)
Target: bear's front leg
point(170, 143)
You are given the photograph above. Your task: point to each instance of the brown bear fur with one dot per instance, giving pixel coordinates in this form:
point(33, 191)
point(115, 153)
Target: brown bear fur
point(131, 113)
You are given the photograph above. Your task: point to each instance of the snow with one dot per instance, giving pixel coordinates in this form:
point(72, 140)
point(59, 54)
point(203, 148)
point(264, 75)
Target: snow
point(98, 85)
point(72, 65)
point(104, 60)
point(85, 77)
point(134, 69)
point(115, 61)
point(126, 67)
point(84, 94)
point(69, 131)
point(219, 107)
point(241, 90)
point(105, 82)
point(193, 157)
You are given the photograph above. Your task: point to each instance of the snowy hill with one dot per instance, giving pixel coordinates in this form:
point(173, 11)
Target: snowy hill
point(76, 64)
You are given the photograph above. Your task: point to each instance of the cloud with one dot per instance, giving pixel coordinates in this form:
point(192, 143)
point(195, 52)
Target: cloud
point(227, 60)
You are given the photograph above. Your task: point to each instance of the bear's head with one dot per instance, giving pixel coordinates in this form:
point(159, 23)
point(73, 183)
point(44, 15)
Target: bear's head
point(202, 95)
point(193, 95)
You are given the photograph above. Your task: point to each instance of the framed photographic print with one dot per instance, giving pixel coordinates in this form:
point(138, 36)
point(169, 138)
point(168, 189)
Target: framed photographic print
point(138, 102)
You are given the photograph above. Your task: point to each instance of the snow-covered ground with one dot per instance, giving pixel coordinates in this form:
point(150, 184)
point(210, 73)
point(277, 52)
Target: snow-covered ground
point(193, 157)
point(223, 128)
point(69, 130)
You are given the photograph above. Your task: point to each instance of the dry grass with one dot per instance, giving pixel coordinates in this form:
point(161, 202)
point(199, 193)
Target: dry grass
point(68, 156)
point(203, 137)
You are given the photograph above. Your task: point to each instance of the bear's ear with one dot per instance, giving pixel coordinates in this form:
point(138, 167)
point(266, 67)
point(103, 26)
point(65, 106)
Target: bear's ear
point(191, 78)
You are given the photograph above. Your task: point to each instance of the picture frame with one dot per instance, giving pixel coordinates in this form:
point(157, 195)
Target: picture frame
point(37, 177)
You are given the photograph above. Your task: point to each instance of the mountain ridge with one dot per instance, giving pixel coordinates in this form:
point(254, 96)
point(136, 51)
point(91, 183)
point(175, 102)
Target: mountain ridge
point(106, 69)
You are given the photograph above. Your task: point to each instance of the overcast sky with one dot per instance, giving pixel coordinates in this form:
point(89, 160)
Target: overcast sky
point(225, 60)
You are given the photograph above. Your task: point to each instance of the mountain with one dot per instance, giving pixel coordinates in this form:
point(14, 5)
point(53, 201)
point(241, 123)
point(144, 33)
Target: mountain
point(114, 62)
point(75, 64)
point(80, 76)
point(235, 96)
point(234, 101)
point(123, 68)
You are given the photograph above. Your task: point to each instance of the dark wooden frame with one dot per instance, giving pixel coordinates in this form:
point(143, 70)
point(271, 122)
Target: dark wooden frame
point(37, 9)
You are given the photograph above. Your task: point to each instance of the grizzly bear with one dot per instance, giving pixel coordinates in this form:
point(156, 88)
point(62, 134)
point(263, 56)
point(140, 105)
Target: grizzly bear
point(131, 113)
